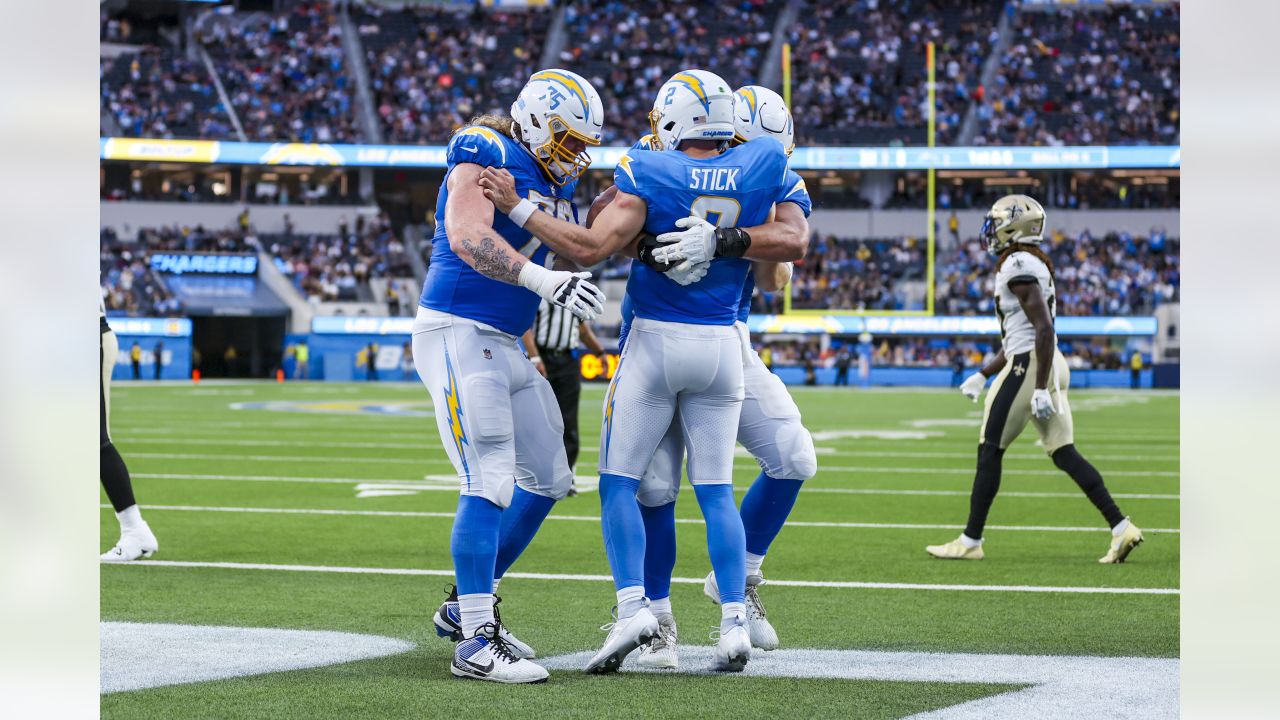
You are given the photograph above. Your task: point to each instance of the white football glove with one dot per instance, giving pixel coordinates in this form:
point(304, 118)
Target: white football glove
point(568, 290)
point(1042, 405)
point(693, 245)
point(973, 386)
point(686, 275)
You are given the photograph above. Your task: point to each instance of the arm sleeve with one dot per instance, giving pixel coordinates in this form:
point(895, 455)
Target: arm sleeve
point(479, 145)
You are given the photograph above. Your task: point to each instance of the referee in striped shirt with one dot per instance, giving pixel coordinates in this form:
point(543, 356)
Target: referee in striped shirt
point(550, 344)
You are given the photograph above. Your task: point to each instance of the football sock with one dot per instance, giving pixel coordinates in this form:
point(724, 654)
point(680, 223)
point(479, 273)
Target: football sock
point(130, 519)
point(519, 523)
point(475, 548)
point(659, 549)
point(1070, 461)
point(726, 541)
point(1118, 530)
point(115, 477)
point(754, 562)
point(661, 606)
point(970, 542)
point(986, 483)
point(731, 614)
point(476, 610)
point(623, 526)
point(630, 600)
point(765, 509)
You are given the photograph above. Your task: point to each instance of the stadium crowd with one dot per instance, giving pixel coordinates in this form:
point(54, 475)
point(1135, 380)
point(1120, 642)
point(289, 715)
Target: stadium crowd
point(861, 73)
point(1098, 77)
point(339, 266)
point(1067, 77)
point(431, 69)
point(128, 284)
point(1114, 274)
point(627, 50)
point(159, 93)
point(286, 75)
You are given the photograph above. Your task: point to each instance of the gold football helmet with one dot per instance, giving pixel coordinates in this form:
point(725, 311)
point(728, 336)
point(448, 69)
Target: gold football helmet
point(1013, 219)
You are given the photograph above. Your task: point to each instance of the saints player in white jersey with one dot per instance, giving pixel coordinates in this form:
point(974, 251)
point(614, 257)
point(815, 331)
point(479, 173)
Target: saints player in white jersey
point(1031, 381)
point(136, 539)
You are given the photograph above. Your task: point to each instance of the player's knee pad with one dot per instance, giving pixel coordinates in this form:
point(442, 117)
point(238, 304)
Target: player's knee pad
point(797, 458)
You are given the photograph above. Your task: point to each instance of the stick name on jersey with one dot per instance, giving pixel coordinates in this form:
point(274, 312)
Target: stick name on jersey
point(721, 179)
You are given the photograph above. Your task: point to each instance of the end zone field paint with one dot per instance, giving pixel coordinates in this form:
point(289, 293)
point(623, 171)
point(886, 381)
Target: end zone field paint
point(1060, 686)
point(135, 656)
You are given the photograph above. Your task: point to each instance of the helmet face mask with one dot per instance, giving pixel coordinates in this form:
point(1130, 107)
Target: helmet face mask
point(692, 105)
point(554, 107)
point(1012, 219)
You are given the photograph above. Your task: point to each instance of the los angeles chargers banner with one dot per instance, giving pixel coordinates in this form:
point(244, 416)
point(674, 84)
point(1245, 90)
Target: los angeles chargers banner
point(604, 158)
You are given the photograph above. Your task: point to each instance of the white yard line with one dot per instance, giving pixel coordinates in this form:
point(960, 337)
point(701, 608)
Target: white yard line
point(420, 485)
point(596, 519)
point(837, 585)
point(428, 443)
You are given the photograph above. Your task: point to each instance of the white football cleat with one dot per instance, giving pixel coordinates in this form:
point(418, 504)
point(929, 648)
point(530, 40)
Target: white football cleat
point(660, 652)
point(485, 656)
point(448, 622)
point(956, 550)
point(1122, 545)
point(624, 636)
point(762, 634)
point(733, 649)
point(133, 545)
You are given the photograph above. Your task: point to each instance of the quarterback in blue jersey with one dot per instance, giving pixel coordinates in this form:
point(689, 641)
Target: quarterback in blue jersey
point(497, 416)
point(769, 426)
point(684, 353)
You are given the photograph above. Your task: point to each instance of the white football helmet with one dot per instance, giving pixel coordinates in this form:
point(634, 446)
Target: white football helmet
point(1013, 219)
point(692, 105)
point(759, 111)
point(554, 106)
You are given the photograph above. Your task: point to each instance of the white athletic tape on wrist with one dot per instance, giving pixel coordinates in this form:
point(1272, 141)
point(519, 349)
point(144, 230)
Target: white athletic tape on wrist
point(521, 213)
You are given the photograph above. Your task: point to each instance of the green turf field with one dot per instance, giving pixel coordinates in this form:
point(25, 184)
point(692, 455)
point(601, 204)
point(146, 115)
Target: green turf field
point(329, 479)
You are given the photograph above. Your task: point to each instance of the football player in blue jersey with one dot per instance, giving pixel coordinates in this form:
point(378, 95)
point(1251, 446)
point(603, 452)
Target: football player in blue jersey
point(683, 352)
point(496, 414)
point(769, 426)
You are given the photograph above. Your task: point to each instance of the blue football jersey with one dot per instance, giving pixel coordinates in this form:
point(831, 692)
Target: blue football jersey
point(794, 190)
point(452, 286)
point(736, 188)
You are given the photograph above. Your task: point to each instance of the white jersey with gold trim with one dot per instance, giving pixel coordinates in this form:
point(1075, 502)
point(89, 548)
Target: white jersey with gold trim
point(1017, 333)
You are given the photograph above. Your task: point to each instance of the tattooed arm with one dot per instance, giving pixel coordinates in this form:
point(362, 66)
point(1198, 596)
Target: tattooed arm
point(468, 221)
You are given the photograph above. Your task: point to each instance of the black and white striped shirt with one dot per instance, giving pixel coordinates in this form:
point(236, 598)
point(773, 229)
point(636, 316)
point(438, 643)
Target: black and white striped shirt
point(555, 328)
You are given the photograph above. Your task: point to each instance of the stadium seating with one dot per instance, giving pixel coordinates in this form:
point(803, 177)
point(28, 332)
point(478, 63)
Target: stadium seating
point(860, 73)
point(159, 93)
point(627, 50)
point(1111, 274)
point(286, 75)
point(1097, 76)
point(1101, 77)
point(432, 69)
point(338, 267)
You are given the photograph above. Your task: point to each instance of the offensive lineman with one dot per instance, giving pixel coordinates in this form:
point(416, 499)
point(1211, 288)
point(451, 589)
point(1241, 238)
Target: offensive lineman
point(136, 539)
point(497, 416)
point(683, 352)
point(770, 426)
point(1032, 382)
